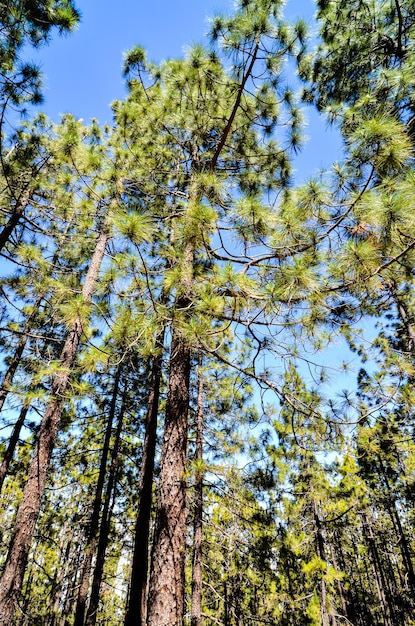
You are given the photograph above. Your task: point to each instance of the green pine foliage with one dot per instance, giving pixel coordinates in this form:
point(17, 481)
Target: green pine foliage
point(286, 293)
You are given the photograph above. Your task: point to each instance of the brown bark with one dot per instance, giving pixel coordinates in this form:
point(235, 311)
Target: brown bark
point(167, 582)
point(91, 541)
point(137, 600)
point(197, 561)
point(28, 511)
point(104, 529)
point(165, 606)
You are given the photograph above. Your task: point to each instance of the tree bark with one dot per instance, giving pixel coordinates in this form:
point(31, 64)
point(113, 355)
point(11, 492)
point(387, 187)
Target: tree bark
point(91, 541)
point(137, 600)
point(15, 218)
point(103, 538)
point(7, 381)
point(56, 598)
point(377, 572)
point(321, 553)
point(28, 511)
point(14, 363)
point(167, 580)
point(14, 438)
point(197, 562)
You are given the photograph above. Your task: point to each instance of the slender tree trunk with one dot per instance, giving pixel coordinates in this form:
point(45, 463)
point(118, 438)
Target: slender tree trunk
point(28, 511)
point(69, 601)
point(14, 363)
point(197, 562)
point(342, 598)
point(5, 388)
point(137, 600)
point(103, 538)
point(166, 589)
point(377, 572)
point(351, 607)
point(321, 553)
point(15, 218)
point(396, 521)
point(226, 620)
point(8, 379)
point(61, 573)
point(91, 541)
point(14, 438)
point(405, 318)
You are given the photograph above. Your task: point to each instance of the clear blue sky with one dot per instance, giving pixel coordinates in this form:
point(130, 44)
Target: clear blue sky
point(83, 71)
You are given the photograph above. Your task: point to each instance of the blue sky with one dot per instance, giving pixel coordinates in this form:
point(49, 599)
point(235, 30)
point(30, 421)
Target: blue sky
point(83, 71)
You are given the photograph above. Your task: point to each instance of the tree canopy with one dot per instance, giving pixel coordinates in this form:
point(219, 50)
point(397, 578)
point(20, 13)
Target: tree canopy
point(207, 370)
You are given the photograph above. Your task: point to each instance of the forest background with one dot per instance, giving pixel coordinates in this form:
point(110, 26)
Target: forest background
point(206, 319)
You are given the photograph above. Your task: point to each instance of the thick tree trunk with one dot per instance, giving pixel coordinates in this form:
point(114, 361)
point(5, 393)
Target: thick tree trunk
point(28, 511)
point(91, 541)
point(104, 530)
point(197, 562)
point(137, 600)
point(405, 318)
point(167, 582)
point(165, 605)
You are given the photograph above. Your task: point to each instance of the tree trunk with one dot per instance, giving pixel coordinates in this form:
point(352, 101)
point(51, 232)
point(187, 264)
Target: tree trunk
point(7, 381)
point(377, 572)
point(167, 577)
point(61, 572)
point(69, 599)
point(321, 553)
point(396, 521)
point(15, 218)
point(14, 438)
point(405, 318)
point(14, 363)
point(167, 581)
point(91, 541)
point(28, 511)
point(103, 538)
point(137, 600)
point(197, 562)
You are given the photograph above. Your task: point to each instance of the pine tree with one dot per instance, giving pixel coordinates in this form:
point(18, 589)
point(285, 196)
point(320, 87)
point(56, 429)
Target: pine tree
point(29, 507)
point(203, 144)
